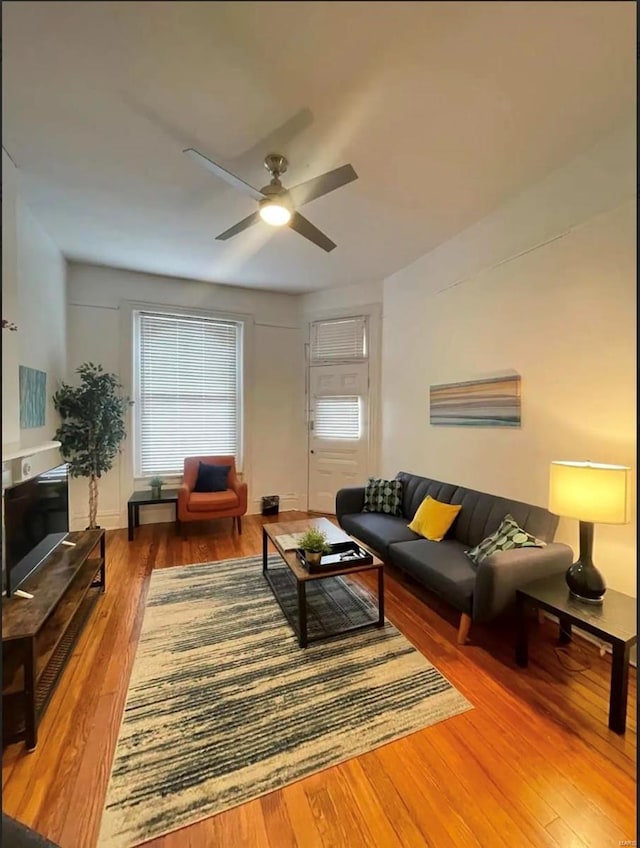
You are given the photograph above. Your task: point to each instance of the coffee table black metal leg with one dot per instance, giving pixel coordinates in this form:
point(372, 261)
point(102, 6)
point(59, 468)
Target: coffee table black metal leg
point(380, 597)
point(130, 521)
point(619, 687)
point(137, 514)
point(265, 547)
point(302, 613)
point(522, 639)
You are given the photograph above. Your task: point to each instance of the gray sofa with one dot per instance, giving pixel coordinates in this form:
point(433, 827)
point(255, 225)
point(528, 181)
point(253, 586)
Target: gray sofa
point(479, 592)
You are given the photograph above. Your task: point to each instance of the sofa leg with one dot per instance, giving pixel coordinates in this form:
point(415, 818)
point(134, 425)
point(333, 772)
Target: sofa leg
point(463, 628)
point(239, 520)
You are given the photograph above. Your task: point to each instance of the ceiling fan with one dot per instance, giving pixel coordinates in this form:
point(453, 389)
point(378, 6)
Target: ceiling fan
point(276, 204)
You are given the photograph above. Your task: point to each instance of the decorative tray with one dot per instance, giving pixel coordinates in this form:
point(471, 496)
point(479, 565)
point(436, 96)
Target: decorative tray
point(343, 555)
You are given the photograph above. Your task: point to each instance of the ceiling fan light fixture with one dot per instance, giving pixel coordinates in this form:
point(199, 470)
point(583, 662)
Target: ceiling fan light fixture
point(275, 212)
point(277, 205)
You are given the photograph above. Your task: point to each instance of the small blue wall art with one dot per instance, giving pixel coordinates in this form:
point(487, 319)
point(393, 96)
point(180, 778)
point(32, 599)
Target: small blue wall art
point(33, 397)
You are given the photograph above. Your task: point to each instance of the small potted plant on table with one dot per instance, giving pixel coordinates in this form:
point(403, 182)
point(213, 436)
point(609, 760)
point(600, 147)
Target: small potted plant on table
point(156, 487)
point(314, 544)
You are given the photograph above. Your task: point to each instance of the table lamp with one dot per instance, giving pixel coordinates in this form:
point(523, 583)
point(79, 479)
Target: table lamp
point(591, 492)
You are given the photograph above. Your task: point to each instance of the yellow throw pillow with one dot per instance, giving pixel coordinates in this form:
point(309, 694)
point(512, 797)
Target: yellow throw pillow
point(433, 518)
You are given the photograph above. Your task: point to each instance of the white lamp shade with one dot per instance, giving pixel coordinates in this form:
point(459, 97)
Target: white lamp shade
point(589, 491)
point(275, 213)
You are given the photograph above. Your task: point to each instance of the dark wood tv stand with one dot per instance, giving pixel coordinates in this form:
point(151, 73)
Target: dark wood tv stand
point(38, 634)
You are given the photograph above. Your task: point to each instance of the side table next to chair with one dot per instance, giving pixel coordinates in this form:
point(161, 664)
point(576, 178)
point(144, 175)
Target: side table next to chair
point(145, 498)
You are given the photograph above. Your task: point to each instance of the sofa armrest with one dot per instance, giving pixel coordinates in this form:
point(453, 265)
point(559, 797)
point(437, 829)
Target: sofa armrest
point(349, 501)
point(500, 574)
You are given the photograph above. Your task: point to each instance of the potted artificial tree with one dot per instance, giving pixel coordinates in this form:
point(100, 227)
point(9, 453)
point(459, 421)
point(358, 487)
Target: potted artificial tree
point(314, 543)
point(92, 427)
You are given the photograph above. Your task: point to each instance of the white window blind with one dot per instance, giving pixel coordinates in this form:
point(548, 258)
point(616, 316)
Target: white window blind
point(343, 338)
point(188, 398)
point(337, 418)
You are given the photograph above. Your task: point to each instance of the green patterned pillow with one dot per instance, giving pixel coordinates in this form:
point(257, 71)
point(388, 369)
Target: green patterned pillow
point(383, 496)
point(508, 535)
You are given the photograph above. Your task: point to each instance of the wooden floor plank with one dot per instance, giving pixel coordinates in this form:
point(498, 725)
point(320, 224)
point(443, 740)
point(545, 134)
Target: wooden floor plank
point(368, 803)
point(533, 763)
point(277, 822)
point(301, 816)
point(441, 822)
point(392, 801)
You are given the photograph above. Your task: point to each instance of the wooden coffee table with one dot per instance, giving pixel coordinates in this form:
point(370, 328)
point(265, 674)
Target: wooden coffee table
point(298, 622)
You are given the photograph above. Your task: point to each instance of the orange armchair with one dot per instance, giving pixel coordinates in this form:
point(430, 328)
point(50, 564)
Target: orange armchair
point(204, 506)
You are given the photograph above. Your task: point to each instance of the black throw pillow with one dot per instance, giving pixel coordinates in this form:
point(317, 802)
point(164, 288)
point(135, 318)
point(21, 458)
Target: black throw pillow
point(212, 478)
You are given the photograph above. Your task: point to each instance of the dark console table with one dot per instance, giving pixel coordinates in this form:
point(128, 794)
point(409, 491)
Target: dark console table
point(144, 498)
point(614, 621)
point(39, 633)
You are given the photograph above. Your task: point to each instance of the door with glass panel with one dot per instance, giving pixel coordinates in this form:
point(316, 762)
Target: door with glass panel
point(338, 410)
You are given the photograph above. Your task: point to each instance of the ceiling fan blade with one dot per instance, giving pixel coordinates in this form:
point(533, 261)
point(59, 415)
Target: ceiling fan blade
point(239, 227)
point(221, 172)
point(309, 190)
point(300, 224)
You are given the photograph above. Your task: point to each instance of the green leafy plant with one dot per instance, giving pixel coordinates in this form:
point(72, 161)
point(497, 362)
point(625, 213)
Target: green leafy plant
point(93, 426)
point(315, 542)
point(156, 482)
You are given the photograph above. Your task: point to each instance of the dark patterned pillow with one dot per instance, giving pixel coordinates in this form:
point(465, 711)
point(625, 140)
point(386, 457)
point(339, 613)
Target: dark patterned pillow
point(212, 478)
point(383, 496)
point(508, 535)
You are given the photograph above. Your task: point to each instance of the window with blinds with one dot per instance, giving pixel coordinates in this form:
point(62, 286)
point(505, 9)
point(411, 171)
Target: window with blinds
point(188, 399)
point(337, 417)
point(339, 339)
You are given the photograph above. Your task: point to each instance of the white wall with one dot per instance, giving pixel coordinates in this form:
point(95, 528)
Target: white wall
point(42, 307)
point(34, 298)
point(10, 343)
point(343, 298)
point(99, 331)
point(545, 286)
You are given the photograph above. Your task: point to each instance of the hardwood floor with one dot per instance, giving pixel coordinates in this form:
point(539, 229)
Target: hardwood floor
point(533, 764)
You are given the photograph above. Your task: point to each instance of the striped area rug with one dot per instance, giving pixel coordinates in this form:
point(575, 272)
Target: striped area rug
point(223, 706)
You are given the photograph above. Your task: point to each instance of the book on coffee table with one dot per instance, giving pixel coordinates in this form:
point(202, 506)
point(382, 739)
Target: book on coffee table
point(289, 541)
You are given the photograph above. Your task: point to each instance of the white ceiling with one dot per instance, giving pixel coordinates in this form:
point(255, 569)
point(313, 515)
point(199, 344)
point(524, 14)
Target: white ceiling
point(444, 110)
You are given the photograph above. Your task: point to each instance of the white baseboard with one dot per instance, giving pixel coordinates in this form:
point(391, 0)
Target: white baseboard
point(164, 513)
point(110, 520)
point(287, 502)
point(604, 647)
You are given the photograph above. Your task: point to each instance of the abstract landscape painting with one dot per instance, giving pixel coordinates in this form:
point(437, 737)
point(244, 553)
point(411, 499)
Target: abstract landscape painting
point(493, 402)
point(33, 397)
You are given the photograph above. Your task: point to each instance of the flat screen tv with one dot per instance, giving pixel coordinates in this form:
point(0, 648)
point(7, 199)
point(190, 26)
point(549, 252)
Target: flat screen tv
point(36, 520)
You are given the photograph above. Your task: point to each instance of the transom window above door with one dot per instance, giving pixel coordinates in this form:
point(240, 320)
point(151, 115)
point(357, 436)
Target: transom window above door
point(340, 339)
